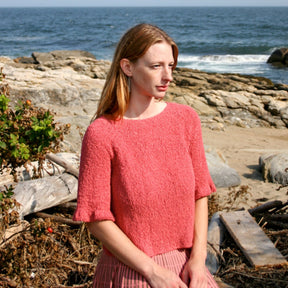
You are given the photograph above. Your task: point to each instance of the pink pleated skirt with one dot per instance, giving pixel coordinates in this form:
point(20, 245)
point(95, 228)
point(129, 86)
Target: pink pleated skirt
point(111, 273)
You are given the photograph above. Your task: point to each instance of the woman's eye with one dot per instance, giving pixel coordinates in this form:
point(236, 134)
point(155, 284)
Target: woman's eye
point(156, 66)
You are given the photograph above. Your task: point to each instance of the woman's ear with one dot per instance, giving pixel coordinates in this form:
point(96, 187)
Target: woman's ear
point(126, 67)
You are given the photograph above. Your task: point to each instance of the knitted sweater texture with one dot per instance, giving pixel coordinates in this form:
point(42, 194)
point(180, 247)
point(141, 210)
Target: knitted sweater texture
point(145, 175)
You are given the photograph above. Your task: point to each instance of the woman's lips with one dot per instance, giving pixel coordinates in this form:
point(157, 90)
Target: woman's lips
point(162, 88)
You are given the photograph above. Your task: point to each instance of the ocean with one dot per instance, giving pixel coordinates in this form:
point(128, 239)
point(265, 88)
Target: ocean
point(225, 40)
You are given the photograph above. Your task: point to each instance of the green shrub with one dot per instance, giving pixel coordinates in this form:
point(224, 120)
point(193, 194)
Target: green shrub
point(27, 133)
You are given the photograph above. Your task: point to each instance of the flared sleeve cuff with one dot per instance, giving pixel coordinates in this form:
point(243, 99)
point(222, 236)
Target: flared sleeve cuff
point(205, 189)
point(94, 216)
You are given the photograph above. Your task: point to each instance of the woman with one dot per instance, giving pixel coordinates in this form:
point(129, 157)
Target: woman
point(144, 180)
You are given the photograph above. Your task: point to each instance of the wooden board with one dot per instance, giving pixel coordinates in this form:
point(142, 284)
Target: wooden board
point(40, 194)
point(252, 240)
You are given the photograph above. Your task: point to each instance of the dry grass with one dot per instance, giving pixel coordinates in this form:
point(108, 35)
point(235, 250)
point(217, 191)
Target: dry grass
point(49, 254)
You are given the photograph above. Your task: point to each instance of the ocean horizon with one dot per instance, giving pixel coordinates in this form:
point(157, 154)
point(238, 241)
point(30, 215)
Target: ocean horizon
point(210, 39)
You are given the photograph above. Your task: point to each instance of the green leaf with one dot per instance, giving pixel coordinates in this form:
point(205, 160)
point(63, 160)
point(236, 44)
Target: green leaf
point(4, 102)
point(14, 153)
point(40, 148)
point(13, 140)
point(3, 145)
point(50, 133)
point(34, 119)
point(24, 151)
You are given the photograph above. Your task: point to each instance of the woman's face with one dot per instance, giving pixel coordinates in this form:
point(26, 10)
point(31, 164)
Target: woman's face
point(152, 73)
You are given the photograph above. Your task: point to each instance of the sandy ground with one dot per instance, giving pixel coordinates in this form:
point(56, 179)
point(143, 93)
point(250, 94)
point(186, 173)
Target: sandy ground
point(242, 148)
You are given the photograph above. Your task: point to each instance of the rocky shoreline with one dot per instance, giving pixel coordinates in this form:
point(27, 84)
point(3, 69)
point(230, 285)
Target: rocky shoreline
point(232, 99)
point(70, 83)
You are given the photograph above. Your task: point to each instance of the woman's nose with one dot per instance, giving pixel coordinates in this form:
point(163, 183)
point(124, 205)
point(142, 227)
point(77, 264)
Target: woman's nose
point(167, 74)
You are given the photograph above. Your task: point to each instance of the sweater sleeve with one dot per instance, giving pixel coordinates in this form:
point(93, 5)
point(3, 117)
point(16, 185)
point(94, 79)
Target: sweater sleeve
point(204, 185)
point(94, 188)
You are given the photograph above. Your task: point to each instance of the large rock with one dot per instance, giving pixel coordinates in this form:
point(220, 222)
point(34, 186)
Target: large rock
point(279, 57)
point(64, 90)
point(215, 238)
point(221, 174)
point(275, 168)
point(42, 58)
point(81, 62)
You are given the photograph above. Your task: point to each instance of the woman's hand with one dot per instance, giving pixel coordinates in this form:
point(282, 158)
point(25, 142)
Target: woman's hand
point(195, 274)
point(163, 278)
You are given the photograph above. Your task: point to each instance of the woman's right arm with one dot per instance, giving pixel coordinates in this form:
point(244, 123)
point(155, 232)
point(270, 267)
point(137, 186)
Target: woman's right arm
point(123, 248)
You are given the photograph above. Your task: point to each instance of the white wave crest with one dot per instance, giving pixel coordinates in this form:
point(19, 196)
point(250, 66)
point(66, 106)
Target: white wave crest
point(243, 64)
point(22, 38)
point(223, 59)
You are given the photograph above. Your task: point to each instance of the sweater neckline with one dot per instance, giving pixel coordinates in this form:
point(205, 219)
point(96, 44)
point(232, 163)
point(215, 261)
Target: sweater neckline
point(148, 118)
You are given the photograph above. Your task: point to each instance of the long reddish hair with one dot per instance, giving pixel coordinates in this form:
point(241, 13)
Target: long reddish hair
point(133, 45)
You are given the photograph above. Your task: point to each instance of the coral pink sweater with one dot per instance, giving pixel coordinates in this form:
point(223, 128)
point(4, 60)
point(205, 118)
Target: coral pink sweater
point(145, 175)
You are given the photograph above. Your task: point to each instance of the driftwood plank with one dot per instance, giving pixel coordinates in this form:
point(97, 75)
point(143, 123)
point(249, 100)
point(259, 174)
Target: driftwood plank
point(40, 194)
point(254, 243)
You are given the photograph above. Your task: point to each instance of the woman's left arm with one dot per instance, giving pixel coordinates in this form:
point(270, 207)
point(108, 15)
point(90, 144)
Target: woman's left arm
point(194, 274)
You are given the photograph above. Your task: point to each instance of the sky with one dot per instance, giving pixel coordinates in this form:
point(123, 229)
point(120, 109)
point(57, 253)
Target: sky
point(138, 3)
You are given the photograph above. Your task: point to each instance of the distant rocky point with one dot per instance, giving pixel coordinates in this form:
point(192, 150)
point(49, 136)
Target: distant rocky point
point(279, 58)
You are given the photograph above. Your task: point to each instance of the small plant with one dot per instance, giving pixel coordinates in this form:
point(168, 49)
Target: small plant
point(27, 133)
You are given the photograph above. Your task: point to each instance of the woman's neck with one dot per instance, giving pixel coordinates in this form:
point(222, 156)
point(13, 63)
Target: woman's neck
point(144, 109)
